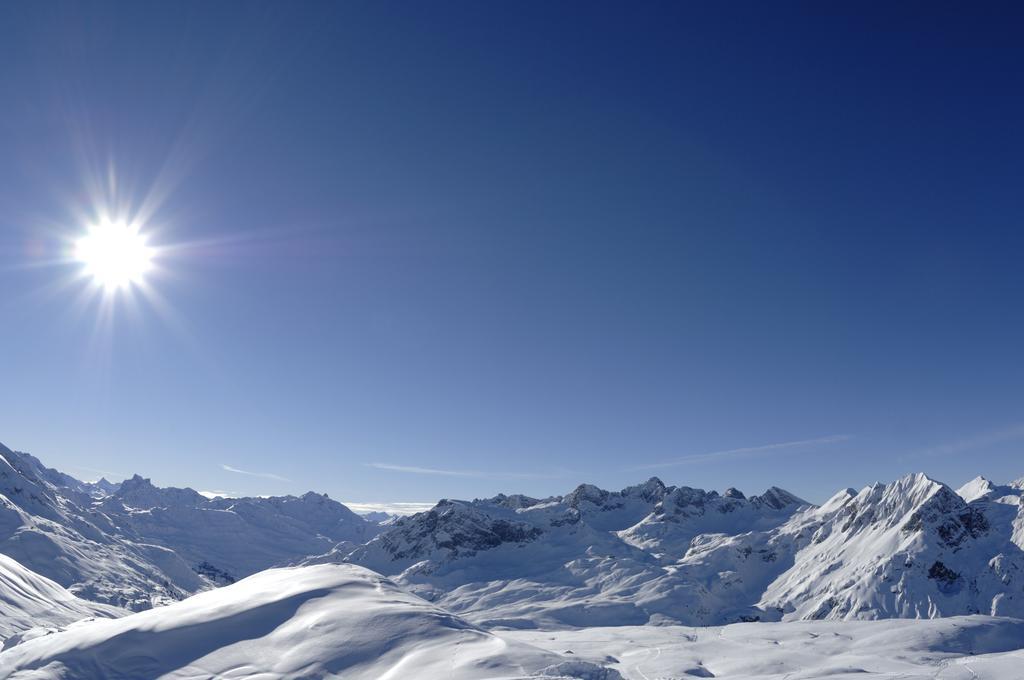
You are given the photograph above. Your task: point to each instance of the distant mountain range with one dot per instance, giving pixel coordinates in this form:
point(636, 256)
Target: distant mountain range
point(648, 554)
point(655, 554)
point(134, 545)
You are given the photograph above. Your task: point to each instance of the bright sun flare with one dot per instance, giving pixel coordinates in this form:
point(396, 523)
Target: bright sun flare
point(115, 254)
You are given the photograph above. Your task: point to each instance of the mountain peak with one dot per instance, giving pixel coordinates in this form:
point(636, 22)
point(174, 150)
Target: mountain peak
point(140, 493)
point(586, 492)
point(916, 485)
point(652, 490)
point(778, 498)
point(514, 501)
point(909, 491)
point(975, 489)
point(838, 500)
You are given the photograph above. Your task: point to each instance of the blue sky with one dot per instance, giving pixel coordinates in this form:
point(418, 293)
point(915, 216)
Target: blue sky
point(423, 250)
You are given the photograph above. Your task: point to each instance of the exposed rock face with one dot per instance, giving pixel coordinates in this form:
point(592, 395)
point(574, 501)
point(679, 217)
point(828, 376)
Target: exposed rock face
point(913, 548)
point(652, 553)
point(591, 555)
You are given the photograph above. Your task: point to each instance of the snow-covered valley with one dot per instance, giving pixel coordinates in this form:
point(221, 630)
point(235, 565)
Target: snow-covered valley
point(956, 648)
point(910, 579)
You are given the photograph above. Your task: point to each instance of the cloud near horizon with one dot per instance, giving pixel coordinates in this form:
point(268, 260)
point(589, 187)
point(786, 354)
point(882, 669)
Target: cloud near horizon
point(217, 494)
point(405, 508)
point(746, 451)
point(262, 475)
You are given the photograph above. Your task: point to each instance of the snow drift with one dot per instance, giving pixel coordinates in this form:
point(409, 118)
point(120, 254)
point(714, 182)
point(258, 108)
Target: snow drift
point(28, 600)
point(305, 622)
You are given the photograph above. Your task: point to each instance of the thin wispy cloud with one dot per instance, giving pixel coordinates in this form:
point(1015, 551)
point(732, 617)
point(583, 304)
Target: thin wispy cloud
point(262, 475)
point(977, 441)
point(107, 474)
point(478, 474)
point(762, 449)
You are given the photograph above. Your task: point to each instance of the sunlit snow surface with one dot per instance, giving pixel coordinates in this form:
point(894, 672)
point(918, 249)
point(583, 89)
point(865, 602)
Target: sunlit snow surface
point(28, 600)
point(957, 648)
point(342, 621)
point(309, 622)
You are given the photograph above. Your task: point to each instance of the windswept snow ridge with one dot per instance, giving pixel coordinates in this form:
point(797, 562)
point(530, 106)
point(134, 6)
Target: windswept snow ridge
point(305, 622)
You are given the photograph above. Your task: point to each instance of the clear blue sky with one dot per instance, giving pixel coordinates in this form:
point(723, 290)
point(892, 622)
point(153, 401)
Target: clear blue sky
point(520, 245)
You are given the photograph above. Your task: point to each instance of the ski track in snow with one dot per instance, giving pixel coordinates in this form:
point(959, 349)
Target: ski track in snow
point(651, 655)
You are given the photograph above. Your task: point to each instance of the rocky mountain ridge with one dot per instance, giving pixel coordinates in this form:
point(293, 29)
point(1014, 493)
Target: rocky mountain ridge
point(647, 554)
point(913, 548)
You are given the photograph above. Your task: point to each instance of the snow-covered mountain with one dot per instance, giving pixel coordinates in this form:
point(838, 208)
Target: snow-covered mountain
point(306, 622)
point(649, 553)
point(49, 524)
point(910, 549)
point(30, 601)
point(379, 517)
point(135, 545)
point(656, 554)
point(591, 557)
point(233, 537)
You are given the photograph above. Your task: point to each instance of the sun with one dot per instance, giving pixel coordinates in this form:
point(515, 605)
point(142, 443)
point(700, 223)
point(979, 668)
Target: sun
point(114, 254)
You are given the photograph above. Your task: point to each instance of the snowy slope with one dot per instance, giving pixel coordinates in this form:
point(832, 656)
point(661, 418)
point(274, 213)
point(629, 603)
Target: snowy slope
point(49, 525)
point(28, 600)
point(1011, 494)
point(305, 622)
point(957, 648)
point(913, 548)
point(136, 545)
